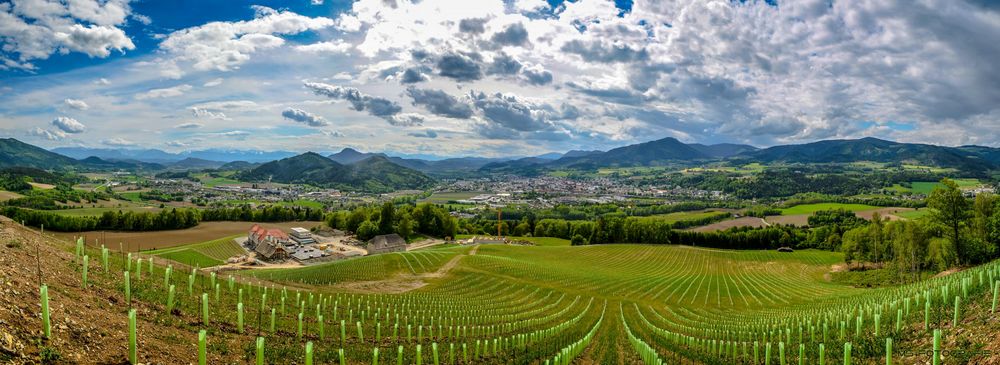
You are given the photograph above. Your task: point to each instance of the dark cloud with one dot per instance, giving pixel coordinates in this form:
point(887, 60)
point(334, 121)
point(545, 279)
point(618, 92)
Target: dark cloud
point(440, 103)
point(514, 35)
point(374, 105)
point(472, 25)
point(537, 76)
point(460, 66)
point(504, 64)
point(424, 134)
point(412, 76)
point(597, 51)
point(509, 111)
point(302, 116)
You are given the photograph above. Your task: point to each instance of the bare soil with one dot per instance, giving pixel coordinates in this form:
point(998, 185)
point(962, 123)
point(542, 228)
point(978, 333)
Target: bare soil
point(727, 224)
point(886, 213)
point(800, 220)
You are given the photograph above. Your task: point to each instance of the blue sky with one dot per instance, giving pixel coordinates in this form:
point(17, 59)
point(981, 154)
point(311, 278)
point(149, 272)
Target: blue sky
point(495, 77)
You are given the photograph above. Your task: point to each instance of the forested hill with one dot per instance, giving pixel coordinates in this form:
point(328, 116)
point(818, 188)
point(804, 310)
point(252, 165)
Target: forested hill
point(373, 174)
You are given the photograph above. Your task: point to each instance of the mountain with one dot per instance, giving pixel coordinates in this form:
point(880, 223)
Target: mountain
point(162, 157)
point(579, 153)
point(550, 156)
point(17, 153)
point(372, 174)
point(722, 150)
point(238, 165)
point(192, 163)
point(871, 149)
point(986, 153)
point(348, 156)
point(94, 162)
point(643, 154)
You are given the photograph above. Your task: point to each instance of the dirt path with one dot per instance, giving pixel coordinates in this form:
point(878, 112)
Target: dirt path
point(404, 282)
point(424, 244)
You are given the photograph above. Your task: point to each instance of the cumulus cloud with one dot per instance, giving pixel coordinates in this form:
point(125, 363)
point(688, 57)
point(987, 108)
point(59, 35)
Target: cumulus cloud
point(166, 92)
point(302, 116)
point(412, 75)
point(440, 103)
point(35, 30)
point(513, 35)
point(536, 75)
point(333, 134)
point(69, 125)
point(213, 82)
point(77, 104)
point(423, 134)
point(460, 66)
point(224, 46)
point(52, 135)
point(473, 25)
point(510, 111)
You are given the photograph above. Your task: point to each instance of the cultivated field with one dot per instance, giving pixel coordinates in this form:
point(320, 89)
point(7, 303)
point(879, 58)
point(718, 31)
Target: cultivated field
point(205, 231)
point(496, 304)
point(8, 195)
point(204, 254)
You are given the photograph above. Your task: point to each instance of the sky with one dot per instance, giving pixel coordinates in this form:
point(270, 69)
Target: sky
point(495, 77)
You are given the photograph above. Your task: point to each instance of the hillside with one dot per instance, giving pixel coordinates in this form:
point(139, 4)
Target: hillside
point(16, 153)
point(653, 153)
point(373, 174)
point(722, 150)
point(870, 149)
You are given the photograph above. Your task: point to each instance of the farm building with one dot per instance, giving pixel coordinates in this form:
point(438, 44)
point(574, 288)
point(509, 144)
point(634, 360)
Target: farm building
point(307, 253)
point(386, 243)
point(268, 243)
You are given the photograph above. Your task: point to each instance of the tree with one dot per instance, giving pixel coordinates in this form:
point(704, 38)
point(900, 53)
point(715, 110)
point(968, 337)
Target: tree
point(386, 217)
point(578, 240)
point(404, 228)
point(367, 230)
point(951, 210)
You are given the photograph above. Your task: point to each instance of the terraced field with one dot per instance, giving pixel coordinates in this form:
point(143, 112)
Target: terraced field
point(205, 254)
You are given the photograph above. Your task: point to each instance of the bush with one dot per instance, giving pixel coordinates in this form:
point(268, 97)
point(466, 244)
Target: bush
point(578, 240)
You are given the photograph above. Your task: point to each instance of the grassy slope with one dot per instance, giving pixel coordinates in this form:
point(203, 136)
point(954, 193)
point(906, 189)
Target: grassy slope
point(204, 254)
point(812, 208)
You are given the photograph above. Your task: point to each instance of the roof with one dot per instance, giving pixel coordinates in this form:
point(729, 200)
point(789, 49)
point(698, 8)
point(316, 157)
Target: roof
point(300, 230)
point(277, 233)
point(386, 241)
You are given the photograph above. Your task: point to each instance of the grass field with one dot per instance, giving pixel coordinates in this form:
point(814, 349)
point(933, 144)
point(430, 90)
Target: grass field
point(925, 187)
point(80, 212)
point(914, 214)
point(813, 208)
point(204, 254)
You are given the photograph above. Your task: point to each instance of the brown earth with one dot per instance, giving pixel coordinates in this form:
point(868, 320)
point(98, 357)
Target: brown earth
point(727, 224)
point(88, 326)
point(886, 213)
point(801, 220)
point(205, 231)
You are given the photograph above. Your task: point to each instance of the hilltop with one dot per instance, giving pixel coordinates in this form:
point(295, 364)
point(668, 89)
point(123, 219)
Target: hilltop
point(372, 174)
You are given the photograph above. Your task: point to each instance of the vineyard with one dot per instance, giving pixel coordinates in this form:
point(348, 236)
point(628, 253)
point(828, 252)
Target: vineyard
point(490, 304)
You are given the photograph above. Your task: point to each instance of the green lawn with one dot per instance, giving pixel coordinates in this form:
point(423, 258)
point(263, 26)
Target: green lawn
point(204, 254)
point(813, 208)
point(926, 187)
point(914, 214)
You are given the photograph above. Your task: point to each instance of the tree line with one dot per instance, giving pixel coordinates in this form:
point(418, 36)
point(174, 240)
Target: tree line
point(406, 220)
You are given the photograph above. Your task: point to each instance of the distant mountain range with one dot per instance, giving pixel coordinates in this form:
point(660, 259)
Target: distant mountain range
point(163, 157)
point(372, 174)
point(345, 168)
point(659, 152)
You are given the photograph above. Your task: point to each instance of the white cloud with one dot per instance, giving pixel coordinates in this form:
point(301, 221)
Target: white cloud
point(33, 30)
point(224, 46)
point(52, 135)
point(102, 81)
point(189, 125)
point(338, 46)
point(213, 82)
point(118, 142)
point(69, 125)
point(77, 104)
point(164, 92)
